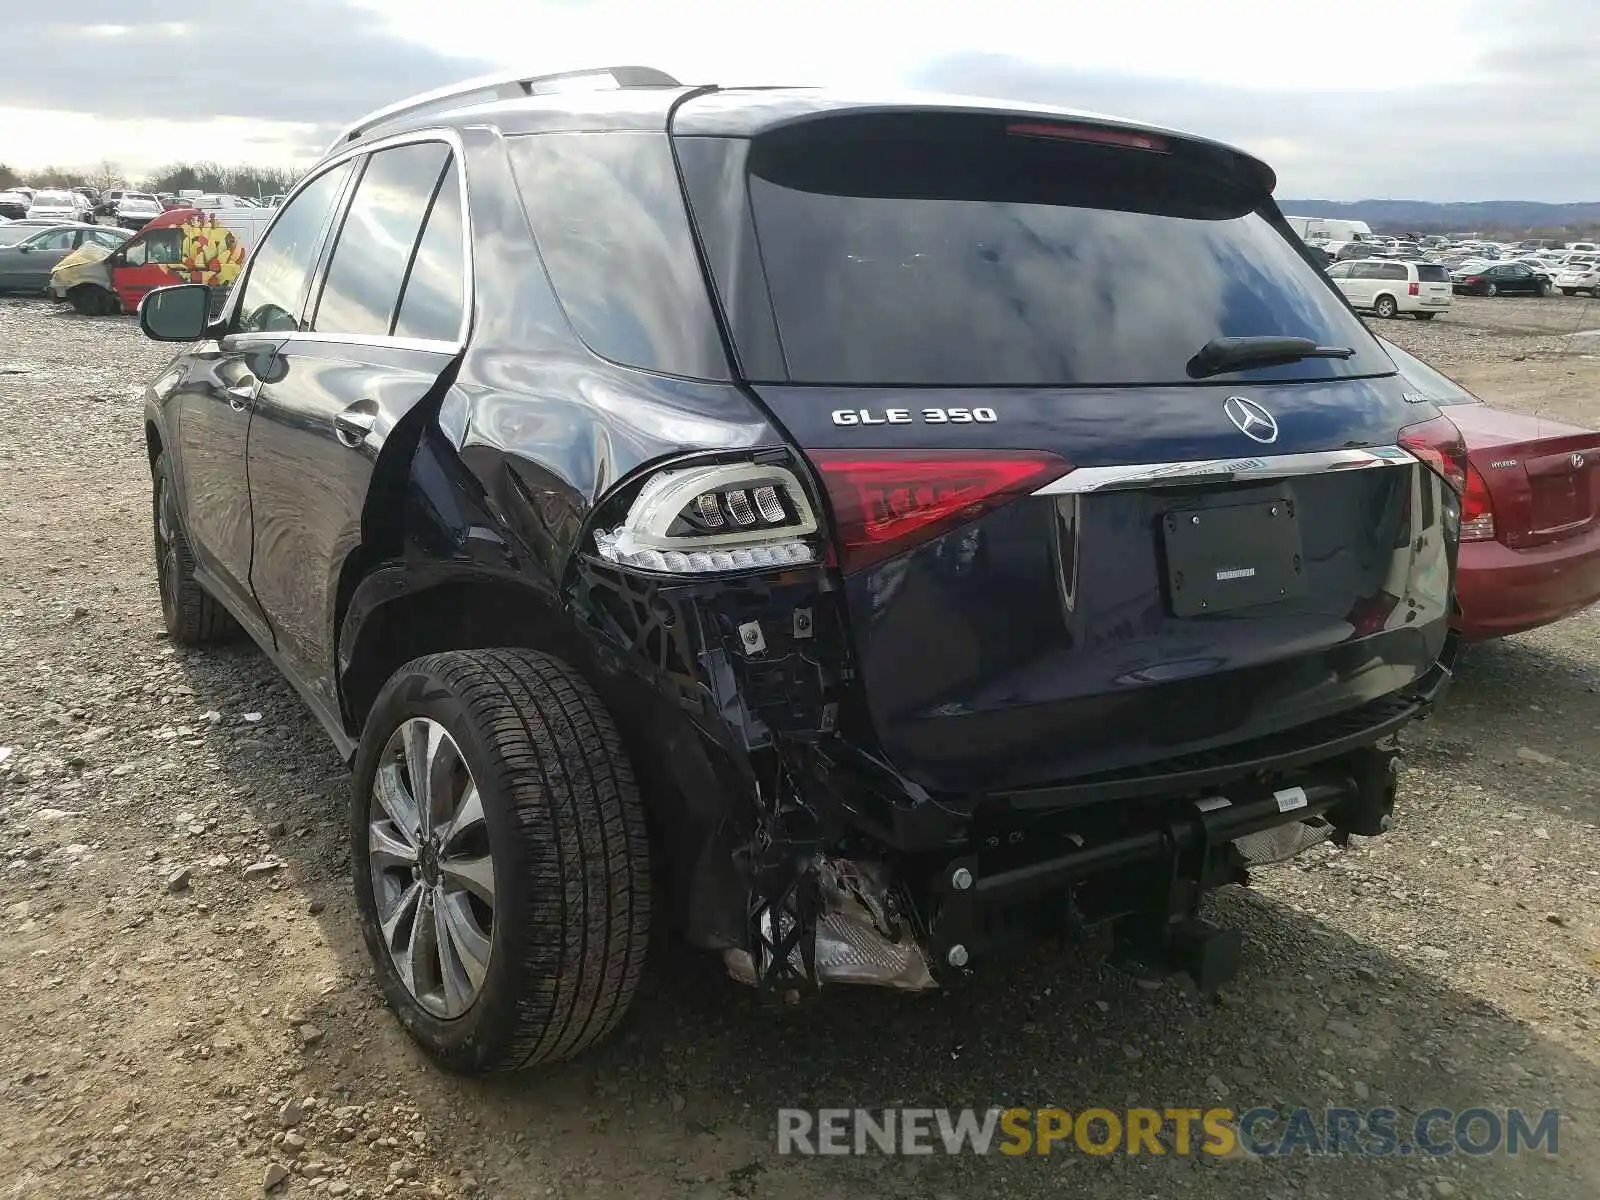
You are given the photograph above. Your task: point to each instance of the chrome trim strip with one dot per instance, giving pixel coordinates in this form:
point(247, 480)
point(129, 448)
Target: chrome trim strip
point(1223, 470)
point(358, 339)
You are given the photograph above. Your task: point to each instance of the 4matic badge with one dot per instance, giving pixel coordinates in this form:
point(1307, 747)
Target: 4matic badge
point(909, 416)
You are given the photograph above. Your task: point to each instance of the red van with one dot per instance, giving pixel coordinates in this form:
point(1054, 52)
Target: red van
point(183, 245)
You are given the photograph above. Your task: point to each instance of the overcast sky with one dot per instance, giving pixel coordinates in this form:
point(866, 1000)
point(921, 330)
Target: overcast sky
point(1347, 99)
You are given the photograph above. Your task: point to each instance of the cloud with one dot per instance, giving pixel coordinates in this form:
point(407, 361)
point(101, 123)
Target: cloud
point(1519, 122)
point(317, 62)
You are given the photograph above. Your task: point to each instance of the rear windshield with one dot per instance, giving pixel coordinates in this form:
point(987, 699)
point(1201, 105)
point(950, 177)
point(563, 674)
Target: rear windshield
point(46, 198)
point(1432, 273)
point(966, 253)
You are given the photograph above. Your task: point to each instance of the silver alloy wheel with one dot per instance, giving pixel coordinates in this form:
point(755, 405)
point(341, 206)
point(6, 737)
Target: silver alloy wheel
point(432, 872)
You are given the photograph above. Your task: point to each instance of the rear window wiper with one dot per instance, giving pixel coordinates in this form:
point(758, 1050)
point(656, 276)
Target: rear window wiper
point(1230, 353)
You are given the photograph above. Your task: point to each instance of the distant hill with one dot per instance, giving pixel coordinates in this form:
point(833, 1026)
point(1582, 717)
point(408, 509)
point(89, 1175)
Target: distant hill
point(1516, 216)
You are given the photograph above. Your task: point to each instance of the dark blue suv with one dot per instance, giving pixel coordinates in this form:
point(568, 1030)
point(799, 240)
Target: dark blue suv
point(847, 533)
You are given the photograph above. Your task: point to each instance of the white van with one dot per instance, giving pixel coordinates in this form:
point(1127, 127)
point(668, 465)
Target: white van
point(1389, 287)
point(1327, 229)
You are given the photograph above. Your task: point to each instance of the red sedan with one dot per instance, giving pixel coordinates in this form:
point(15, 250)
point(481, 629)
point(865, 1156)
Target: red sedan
point(1530, 515)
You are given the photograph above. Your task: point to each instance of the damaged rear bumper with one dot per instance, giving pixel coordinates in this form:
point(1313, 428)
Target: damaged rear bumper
point(805, 859)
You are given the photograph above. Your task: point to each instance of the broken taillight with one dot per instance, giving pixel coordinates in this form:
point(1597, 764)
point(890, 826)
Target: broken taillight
point(886, 501)
point(712, 517)
point(1439, 444)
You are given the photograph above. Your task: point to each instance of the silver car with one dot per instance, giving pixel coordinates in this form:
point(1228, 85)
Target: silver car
point(25, 264)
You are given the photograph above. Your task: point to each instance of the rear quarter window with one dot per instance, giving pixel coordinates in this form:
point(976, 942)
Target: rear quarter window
point(609, 219)
point(949, 251)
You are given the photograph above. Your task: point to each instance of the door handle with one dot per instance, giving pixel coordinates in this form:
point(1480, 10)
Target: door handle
point(240, 394)
point(354, 423)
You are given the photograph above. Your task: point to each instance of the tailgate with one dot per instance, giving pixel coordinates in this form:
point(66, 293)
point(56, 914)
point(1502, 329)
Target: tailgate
point(1066, 544)
point(1120, 613)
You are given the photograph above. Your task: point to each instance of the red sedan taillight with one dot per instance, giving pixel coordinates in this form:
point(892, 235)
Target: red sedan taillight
point(1477, 509)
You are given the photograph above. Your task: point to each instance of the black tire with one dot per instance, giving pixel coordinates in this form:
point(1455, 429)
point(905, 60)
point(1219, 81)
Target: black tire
point(565, 830)
point(1386, 307)
point(1491, 289)
point(1544, 287)
point(91, 301)
point(193, 616)
point(1425, 316)
point(1568, 291)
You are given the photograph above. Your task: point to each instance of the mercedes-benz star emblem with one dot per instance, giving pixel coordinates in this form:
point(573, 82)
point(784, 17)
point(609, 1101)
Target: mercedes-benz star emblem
point(1577, 461)
point(1253, 421)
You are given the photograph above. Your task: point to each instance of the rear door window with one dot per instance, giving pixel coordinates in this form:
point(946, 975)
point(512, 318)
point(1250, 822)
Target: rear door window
point(435, 291)
point(377, 239)
point(1432, 273)
point(1391, 270)
point(968, 251)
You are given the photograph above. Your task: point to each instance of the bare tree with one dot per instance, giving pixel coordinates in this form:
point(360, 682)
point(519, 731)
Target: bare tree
point(107, 175)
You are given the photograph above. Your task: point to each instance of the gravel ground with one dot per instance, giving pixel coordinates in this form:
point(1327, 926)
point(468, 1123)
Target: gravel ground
point(190, 1013)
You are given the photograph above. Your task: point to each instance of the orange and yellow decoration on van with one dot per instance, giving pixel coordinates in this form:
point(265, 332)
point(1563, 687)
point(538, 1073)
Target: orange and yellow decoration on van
point(211, 253)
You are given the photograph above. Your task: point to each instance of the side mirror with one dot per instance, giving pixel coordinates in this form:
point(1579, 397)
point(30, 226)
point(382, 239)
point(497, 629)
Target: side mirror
point(24, 249)
point(180, 313)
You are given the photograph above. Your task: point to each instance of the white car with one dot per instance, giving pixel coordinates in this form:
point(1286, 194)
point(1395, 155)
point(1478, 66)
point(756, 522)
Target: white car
point(135, 210)
point(214, 201)
point(1389, 287)
point(53, 204)
point(1577, 275)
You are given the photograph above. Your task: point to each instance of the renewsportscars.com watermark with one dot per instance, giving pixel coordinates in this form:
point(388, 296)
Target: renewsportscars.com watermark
point(1259, 1132)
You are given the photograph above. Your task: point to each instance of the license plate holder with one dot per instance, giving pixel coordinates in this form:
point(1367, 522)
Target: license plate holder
point(1233, 556)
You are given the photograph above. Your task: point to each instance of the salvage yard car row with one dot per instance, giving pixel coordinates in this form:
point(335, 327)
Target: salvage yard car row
point(100, 269)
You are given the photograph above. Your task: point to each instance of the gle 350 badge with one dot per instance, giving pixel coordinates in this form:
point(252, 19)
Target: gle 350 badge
point(910, 416)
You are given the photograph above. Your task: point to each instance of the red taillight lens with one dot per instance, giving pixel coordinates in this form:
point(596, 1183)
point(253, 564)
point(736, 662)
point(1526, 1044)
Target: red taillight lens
point(885, 501)
point(1438, 443)
point(1129, 139)
point(1413, 288)
point(1477, 509)
point(1370, 614)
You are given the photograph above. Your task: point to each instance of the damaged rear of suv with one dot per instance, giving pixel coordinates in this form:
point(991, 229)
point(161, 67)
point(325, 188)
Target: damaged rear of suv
point(877, 530)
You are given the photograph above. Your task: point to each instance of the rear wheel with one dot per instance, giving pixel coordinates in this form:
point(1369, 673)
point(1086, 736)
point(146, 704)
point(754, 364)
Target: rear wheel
point(193, 616)
point(1425, 316)
point(1568, 291)
point(1386, 307)
point(1544, 287)
point(500, 857)
point(1491, 290)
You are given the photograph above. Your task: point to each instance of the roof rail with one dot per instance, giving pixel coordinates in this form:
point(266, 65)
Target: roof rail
point(504, 86)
